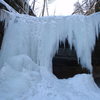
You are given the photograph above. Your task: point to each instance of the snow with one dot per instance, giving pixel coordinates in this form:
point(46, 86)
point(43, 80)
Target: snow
point(28, 85)
point(68, 90)
point(18, 76)
point(27, 50)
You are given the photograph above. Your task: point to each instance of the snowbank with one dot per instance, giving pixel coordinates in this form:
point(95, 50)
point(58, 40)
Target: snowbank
point(26, 57)
point(28, 85)
point(18, 75)
point(80, 87)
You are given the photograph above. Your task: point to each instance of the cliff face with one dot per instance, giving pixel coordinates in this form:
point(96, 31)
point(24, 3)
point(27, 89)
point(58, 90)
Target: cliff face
point(97, 6)
point(1, 32)
point(20, 6)
point(96, 59)
point(17, 6)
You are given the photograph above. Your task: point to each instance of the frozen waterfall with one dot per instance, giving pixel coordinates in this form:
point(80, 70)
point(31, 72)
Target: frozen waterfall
point(39, 38)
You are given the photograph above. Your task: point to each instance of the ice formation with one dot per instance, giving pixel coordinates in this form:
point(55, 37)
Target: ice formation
point(39, 38)
point(28, 47)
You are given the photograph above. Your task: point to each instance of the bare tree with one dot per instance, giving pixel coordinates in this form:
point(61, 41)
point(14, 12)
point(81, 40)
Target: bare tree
point(78, 8)
point(45, 8)
point(87, 7)
point(44, 5)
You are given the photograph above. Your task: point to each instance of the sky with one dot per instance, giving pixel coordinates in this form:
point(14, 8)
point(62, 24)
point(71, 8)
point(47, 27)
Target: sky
point(62, 7)
point(57, 7)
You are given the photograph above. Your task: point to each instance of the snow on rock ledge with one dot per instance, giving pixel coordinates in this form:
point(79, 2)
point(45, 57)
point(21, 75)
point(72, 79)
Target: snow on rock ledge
point(9, 8)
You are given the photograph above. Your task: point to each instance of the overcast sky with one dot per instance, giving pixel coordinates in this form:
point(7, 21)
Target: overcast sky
point(58, 7)
point(62, 7)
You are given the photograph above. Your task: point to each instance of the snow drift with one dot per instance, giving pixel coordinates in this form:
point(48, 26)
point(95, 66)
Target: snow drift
point(28, 47)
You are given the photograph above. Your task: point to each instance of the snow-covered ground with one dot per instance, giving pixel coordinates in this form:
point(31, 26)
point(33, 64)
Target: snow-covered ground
point(26, 57)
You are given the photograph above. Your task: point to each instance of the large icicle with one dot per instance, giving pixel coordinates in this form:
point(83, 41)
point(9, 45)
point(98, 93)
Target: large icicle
point(39, 38)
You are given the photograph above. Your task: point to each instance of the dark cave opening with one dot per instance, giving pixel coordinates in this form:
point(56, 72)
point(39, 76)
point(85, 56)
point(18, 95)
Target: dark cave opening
point(65, 64)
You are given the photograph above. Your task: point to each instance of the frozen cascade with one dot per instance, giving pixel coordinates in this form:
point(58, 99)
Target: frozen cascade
point(26, 57)
point(39, 37)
